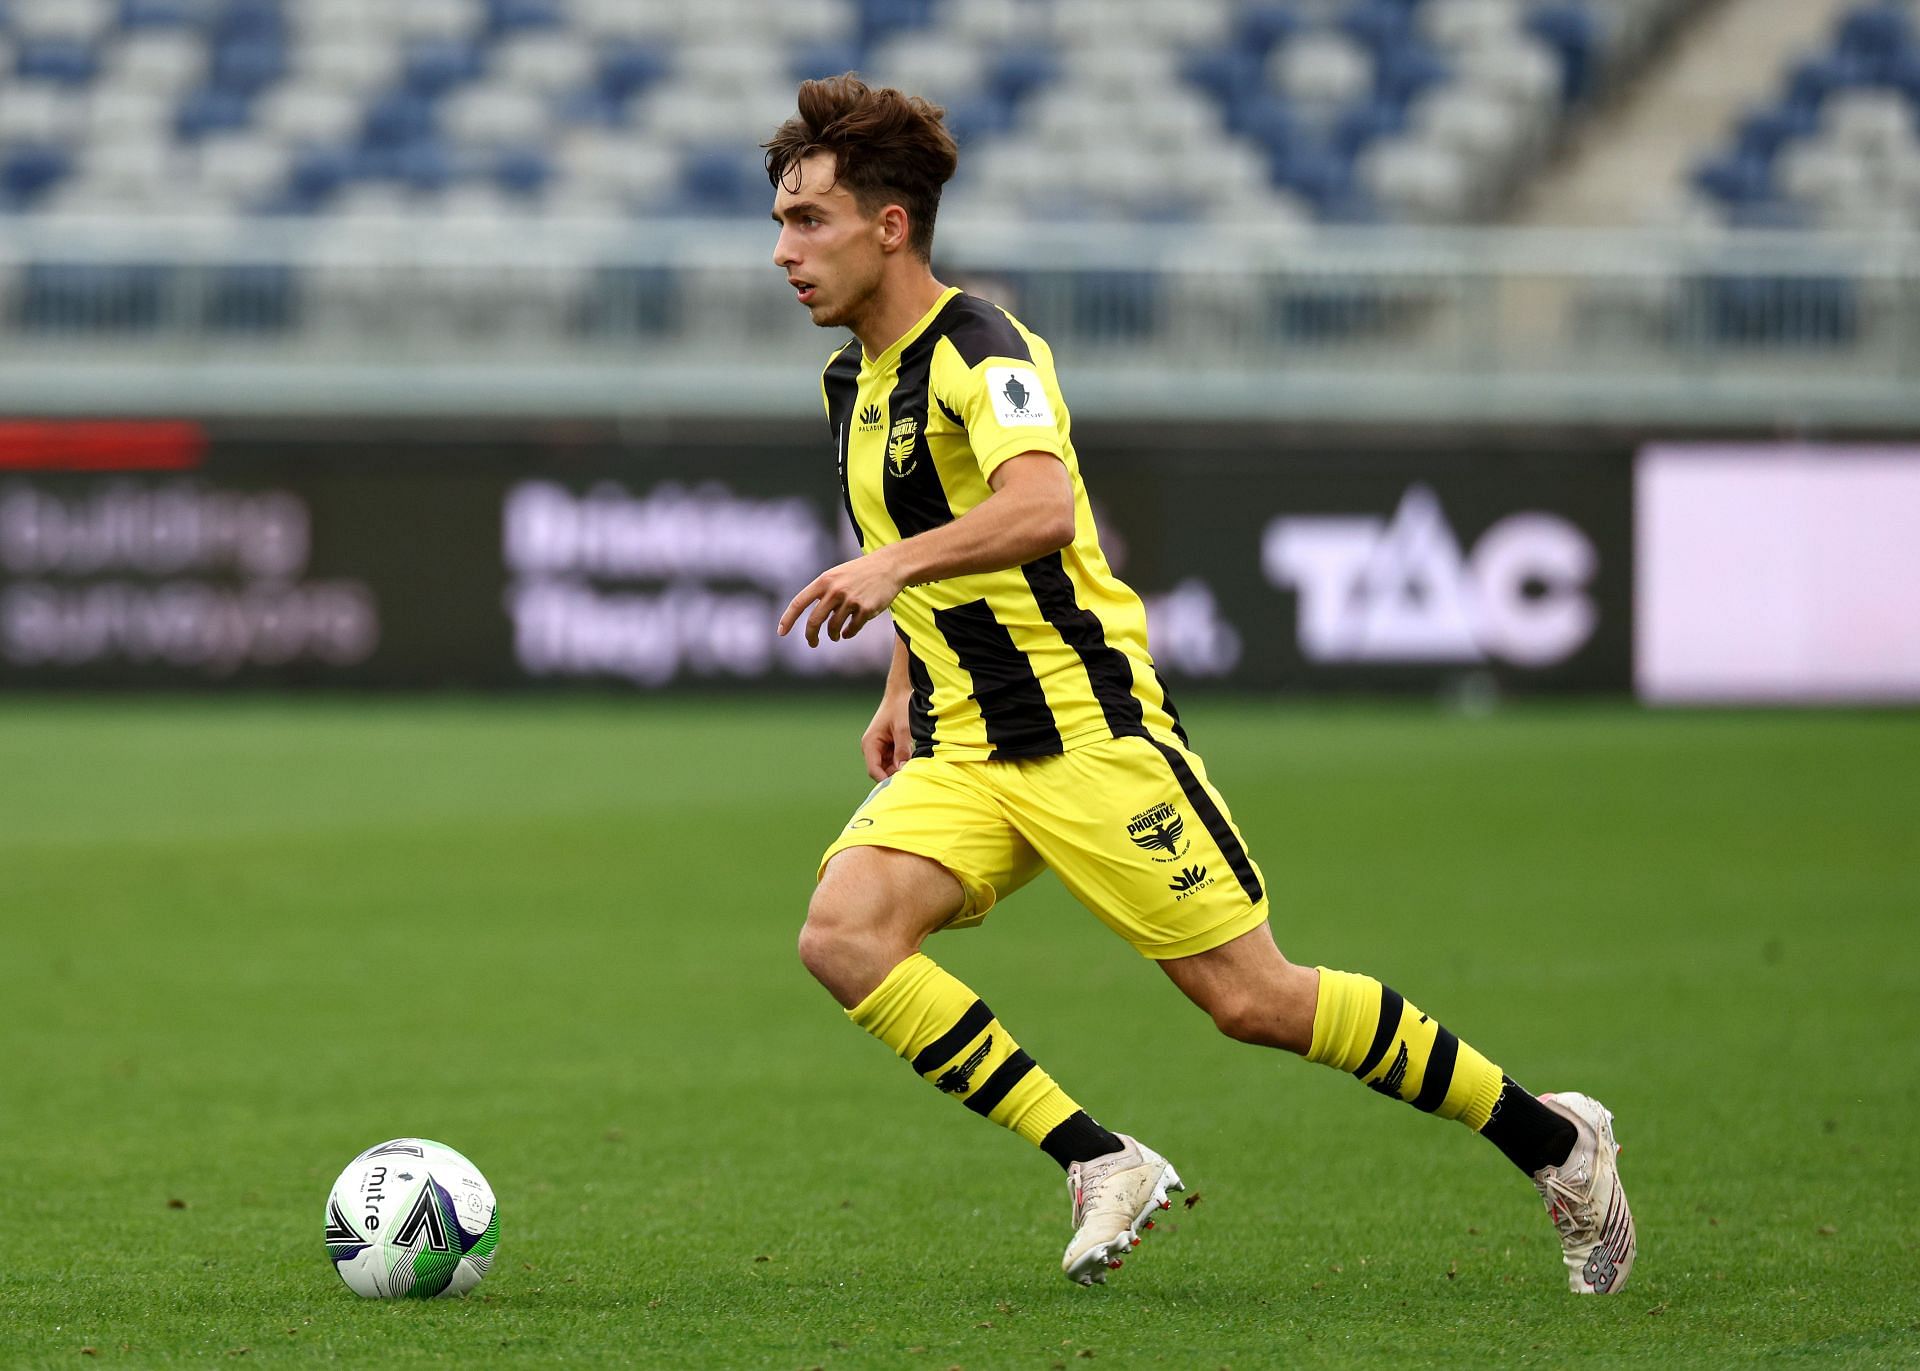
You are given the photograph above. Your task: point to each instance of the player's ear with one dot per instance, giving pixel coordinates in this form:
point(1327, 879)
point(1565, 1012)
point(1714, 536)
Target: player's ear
point(894, 228)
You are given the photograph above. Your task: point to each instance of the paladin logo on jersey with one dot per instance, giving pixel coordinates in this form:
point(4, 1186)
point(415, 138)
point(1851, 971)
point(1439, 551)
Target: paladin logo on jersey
point(1159, 831)
point(1403, 591)
point(870, 418)
point(900, 446)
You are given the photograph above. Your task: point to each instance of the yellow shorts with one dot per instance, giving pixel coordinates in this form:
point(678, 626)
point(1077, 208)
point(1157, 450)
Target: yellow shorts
point(1130, 825)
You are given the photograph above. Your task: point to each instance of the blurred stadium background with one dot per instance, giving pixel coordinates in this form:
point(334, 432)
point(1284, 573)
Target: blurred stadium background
point(1538, 344)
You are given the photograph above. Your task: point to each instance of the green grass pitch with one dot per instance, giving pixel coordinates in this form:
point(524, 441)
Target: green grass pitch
point(240, 941)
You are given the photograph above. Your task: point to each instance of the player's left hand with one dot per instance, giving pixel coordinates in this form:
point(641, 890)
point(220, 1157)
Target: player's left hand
point(844, 598)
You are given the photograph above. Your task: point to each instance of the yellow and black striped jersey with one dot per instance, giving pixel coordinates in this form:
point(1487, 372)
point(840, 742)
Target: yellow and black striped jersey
point(1026, 662)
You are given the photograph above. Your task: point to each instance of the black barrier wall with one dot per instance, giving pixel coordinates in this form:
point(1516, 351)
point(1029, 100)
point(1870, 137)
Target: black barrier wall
point(425, 559)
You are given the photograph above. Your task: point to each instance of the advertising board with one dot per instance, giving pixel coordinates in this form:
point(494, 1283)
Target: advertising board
point(522, 559)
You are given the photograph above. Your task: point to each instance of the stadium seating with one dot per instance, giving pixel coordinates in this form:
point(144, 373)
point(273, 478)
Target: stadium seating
point(1331, 110)
point(1839, 146)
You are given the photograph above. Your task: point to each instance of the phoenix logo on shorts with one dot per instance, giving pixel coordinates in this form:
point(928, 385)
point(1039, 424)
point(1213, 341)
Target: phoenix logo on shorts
point(1160, 830)
point(900, 446)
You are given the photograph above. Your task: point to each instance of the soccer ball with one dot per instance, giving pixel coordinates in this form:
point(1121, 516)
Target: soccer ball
point(411, 1218)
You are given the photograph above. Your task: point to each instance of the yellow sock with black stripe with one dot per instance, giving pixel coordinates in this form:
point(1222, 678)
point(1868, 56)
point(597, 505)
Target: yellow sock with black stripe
point(1364, 1027)
point(953, 1040)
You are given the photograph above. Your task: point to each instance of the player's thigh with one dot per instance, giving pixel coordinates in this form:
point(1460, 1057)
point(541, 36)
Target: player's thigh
point(939, 811)
point(1135, 830)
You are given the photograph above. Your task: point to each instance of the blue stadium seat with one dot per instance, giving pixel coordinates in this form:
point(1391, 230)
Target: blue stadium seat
point(250, 19)
point(398, 117)
point(28, 172)
point(722, 181)
point(1234, 76)
point(1406, 70)
point(248, 63)
point(523, 171)
point(978, 116)
point(516, 16)
point(1735, 178)
point(1764, 131)
point(1258, 27)
point(1016, 73)
point(1316, 172)
point(316, 176)
point(1875, 36)
point(817, 60)
point(590, 105)
point(878, 18)
point(161, 14)
point(1380, 24)
point(53, 59)
point(424, 165)
point(629, 68)
point(212, 111)
point(1814, 79)
point(1269, 121)
point(436, 65)
point(1358, 127)
point(1573, 31)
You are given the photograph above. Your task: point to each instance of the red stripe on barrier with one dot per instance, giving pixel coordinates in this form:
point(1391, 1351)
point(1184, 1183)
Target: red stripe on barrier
point(58, 445)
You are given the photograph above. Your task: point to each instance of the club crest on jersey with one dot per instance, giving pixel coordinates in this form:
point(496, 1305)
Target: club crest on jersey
point(902, 445)
point(1160, 832)
point(870, 418)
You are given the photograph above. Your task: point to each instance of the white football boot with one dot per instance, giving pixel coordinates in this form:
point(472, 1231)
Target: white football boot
point(1114, 1198)
point(1585, 1201)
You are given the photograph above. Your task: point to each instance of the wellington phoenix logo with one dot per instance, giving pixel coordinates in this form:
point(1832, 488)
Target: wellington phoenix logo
point(1160, 830)
point(900, 446)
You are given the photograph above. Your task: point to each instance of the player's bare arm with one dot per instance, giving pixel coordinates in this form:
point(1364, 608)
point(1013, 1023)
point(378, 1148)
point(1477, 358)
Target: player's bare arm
point(888, 741)
point(1029, 515)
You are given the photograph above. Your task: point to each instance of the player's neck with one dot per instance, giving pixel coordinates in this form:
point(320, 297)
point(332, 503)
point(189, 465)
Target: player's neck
point(897, 307)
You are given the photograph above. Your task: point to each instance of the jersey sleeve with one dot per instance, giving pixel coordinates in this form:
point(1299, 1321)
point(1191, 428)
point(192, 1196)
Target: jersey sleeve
point(1010, 406)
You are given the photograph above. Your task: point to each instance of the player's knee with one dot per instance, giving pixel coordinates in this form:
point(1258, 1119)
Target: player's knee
point(1244, 1019)
point(842, 936)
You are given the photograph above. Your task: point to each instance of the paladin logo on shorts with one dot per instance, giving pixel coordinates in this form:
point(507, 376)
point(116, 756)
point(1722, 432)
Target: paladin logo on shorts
point(1189, 880)
point(1160, 830)
point(900, 446)
point(1402, 590)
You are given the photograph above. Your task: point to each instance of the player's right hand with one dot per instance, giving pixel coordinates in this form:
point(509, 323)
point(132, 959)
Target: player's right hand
point(888, 741)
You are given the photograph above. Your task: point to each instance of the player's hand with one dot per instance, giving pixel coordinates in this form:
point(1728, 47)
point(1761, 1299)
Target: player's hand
point(844, 598)
point(888, 741)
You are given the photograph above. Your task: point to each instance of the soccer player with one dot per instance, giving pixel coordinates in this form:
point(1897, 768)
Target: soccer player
point(1023, 725)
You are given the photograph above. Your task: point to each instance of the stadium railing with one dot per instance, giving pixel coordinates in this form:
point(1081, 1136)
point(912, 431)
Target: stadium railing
point(397, 317)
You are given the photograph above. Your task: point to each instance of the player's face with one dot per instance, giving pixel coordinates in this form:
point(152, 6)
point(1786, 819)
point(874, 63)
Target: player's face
point(828, 248)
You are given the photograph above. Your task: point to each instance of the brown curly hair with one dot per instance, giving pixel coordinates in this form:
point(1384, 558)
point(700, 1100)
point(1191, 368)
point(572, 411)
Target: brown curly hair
point(888, 149)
